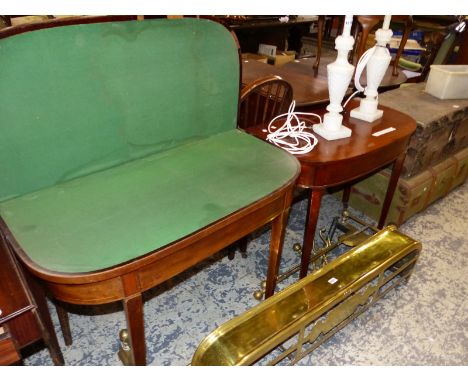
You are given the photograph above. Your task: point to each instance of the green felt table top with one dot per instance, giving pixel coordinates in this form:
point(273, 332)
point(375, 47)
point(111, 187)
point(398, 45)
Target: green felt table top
point(82, 98)
point(116, 215)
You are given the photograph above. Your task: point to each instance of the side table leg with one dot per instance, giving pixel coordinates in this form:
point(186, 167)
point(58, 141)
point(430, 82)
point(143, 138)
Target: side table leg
point(396, 171)
point(346, 195)
point(315, 199)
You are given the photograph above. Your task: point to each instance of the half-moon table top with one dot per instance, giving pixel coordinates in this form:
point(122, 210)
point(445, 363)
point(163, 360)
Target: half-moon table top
point(370, 146)
point(305, 66)
point(308, 90)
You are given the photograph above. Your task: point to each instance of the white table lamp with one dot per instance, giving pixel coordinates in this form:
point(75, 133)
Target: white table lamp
point(339, 75)
point(376, 68)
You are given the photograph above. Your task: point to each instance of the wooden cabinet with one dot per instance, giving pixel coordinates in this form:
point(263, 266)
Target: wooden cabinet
point(8, 352)
point(254, 30)
point(24, 315)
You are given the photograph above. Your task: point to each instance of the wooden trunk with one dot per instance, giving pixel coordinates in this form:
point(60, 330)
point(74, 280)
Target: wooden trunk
point(413, 194)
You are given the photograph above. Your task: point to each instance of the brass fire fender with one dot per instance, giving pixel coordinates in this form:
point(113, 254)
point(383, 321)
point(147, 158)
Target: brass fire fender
point(289, 325)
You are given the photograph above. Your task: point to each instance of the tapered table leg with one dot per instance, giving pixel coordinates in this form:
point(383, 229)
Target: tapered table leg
point(315, 199)
point(64, 323)
point(346, 195)
point(278, 230)
point(134, 312)
point(396, 171)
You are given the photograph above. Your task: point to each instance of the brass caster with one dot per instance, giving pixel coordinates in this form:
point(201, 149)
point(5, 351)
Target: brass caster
point(124, 339)
point(125, 351)
point(297, 248)
point(258, 295)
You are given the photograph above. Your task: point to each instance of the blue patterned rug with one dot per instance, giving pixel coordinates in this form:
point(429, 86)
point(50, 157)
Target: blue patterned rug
point(421, 323)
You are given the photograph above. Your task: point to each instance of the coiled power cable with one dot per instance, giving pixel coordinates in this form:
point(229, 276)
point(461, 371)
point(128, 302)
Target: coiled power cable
point(292, 134)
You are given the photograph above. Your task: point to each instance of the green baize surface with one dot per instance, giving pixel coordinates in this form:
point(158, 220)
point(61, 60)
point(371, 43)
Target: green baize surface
point(119, 138)
point(116, 215)
point(82, 98)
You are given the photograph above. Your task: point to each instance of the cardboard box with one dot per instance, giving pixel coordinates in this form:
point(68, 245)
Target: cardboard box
point(254, 57)
point(20, 20)
point(274, 56)
point(448, 81)
point(267, 50)
point(283, 57)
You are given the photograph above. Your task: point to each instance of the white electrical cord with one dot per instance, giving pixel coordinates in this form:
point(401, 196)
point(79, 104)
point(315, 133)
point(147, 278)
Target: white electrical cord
point(292, 137)
point(363, 60)
point(351, 97)
point(460, 27)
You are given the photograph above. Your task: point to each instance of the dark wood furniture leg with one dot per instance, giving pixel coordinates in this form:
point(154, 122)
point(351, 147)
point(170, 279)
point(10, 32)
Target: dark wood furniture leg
point(48, 330)
point(395, 175)
point(25, 313)
point(133, 306)
point(278, 230)
point(243, 246)
point(44, 320)
point(320, 27)
point(64, 323)
point(231, 251)
point(346, 195)
point(134, 313)
point(315, 199)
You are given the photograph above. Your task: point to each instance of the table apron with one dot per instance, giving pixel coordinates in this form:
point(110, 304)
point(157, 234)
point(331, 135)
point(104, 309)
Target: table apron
point(169, 264)
point(341, 172)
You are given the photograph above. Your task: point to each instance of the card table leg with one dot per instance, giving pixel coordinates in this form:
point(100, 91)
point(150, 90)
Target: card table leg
point(134, 312)
point(315, 199)
point(278, 230)
point(64, 323)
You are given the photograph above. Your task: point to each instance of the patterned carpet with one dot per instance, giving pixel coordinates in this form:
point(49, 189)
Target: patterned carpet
point(422, 323)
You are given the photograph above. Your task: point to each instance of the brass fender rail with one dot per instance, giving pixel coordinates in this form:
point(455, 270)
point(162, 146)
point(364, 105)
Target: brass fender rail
point(311, 310)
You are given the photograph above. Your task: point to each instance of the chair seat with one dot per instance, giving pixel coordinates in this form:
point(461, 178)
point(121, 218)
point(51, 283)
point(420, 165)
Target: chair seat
point(113, 216)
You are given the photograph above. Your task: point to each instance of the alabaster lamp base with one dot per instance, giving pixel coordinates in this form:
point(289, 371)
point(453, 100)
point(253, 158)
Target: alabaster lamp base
point(331, 128)
point(367, 111)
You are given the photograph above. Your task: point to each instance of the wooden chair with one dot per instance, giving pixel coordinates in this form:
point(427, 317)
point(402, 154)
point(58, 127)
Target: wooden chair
point(264, 99)
point(309, 76)
point(365, 24)
point(362, 26)
point(260, 102)
point(320, 35)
